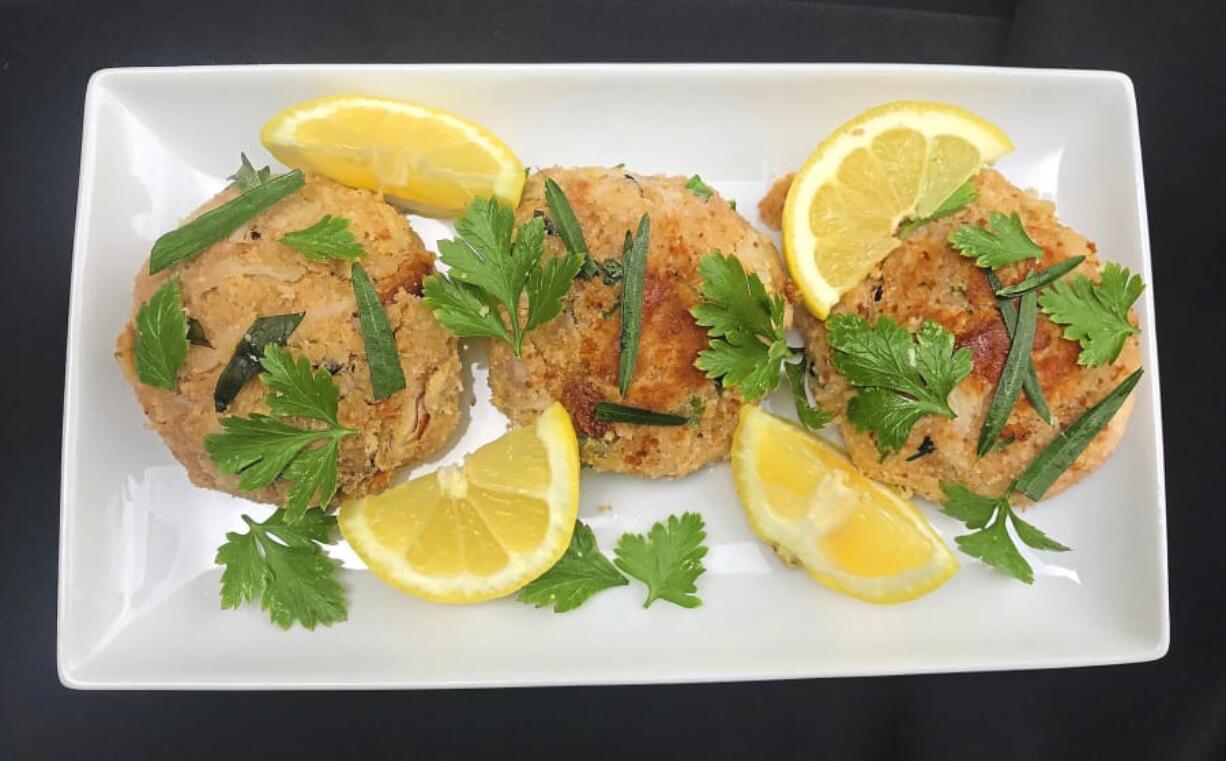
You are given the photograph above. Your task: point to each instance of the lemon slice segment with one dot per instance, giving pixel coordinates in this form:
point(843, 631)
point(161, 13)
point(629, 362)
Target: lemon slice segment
point(427, 160)
point(480, 530)
point(894, 162)
point(850, 534)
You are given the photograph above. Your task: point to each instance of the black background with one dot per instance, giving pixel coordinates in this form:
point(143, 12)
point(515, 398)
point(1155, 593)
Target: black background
point(1174, 708)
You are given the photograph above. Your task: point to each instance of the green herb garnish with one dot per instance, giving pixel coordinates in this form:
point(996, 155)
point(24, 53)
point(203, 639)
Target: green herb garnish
point(1004, 241)
point(991, 543)
point(1012, 375)
point(699, 188)
point(161, 337)
point(480, 294)
point(567, 225)
point(612, 412)
point(634, 271)
point(262, 449)
point(284, 568)
point(963, 195)
point(900, 378)
point(196, 335)
point(580, 573)
point(745, 325)
point(668, 559)
point(329, 238)
point(1057, 456)
point(246, 361)
point(810, 415)
point(1096, 314)
point(1036, 280)
point(382, 354)
point(215, 225)
point(1030, 378)
point(247, 176)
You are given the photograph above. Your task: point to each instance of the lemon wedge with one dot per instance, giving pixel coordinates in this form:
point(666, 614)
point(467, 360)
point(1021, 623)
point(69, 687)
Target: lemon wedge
point(480, 530)
point(425, 159)
point(851, 534)
point(894, 162)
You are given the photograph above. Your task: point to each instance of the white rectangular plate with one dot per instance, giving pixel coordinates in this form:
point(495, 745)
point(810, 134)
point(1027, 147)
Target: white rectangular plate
point(138, 594)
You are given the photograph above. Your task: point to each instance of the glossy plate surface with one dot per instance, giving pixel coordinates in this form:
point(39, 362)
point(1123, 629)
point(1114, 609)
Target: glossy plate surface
point(138, 590)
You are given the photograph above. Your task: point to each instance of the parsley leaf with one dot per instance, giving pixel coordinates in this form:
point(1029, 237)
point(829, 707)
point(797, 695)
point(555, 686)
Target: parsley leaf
point(991, 543)
point(488, 275)
point(745, 324)
point(810, 415)
point(1004, 242)
point(283, 567)
point(668, 559)
point(161, 337)
point(965, 194)
point(580, 573)
point(262, 448)
point(900, 378)
point(1096, 314)
point(329, 238)
point(247, 176)
point(699, 188)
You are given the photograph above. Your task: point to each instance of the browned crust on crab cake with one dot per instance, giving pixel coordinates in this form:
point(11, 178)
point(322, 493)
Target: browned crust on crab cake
point(251, 274)
point(574, 358)
point(925, 278)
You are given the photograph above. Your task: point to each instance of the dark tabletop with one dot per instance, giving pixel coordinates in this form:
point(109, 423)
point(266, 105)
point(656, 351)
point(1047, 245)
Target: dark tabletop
point(1174, 708)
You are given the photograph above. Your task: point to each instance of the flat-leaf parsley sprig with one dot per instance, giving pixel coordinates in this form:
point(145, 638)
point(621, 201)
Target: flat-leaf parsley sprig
point(899, 378)
point(668, 559)
point(283, 567)
point(489, 275)
point(1096, 314)
point(263, 448)
point(580, 573)
point(747, 348)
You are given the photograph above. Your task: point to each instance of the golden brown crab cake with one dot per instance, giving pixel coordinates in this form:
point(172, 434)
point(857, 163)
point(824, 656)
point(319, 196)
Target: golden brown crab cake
point(251, 274)
point(925, 277)
point(574, 359)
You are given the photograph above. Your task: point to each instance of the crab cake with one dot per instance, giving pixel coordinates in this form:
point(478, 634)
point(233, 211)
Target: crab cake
point(926, 278)
point(251, 274)
point(574, 358)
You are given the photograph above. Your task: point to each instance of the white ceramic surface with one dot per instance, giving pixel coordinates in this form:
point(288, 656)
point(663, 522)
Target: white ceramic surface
point(138, 603)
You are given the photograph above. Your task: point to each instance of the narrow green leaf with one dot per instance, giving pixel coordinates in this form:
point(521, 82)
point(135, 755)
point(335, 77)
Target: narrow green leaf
point(382, 354)
point(965, 193)
point(699, 188)
point(612, 412)
point(564, 220)
point(1036, 280)
point(161, 337)
point(634, 269)
point(215, 225)
point(1030, 381)
point(1057, 456)
point(245, 362)
point(1011, 375)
